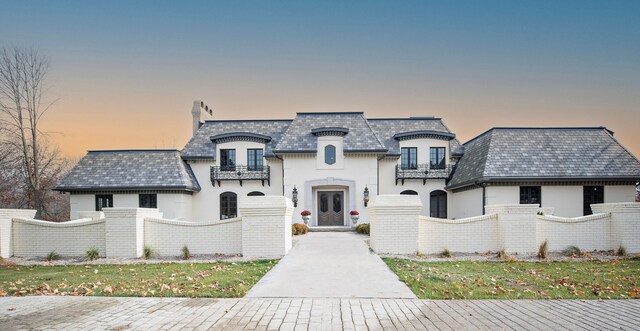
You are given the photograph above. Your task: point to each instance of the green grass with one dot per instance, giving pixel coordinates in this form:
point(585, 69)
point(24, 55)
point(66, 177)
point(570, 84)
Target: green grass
point(213, 280)
point(520, 280)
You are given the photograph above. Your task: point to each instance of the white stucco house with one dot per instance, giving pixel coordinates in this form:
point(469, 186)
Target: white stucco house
point(333, 163)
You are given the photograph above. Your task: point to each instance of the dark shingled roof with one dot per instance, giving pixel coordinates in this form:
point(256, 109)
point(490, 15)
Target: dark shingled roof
point(201, 146)
point(386, 128)
point(298, 137)
point(544, 153)
point(130, 170)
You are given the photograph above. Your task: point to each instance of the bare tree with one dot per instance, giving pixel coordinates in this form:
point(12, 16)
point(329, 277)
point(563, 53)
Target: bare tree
point(28, 160)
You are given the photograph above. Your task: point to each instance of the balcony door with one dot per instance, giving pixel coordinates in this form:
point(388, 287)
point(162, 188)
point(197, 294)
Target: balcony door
point(330, 208)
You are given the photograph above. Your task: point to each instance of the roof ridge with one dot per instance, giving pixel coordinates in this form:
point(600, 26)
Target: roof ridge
point(608, 132)
point(489, 150)
point(366, 121)
point(131, 150)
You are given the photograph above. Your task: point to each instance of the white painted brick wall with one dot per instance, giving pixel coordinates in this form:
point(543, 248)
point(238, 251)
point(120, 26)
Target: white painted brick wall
point(587, 232)
point(6, 225)
point(167, 237)
point(625, 224)
point(466, 235)
point(394, 223)
point(516, 227)
point(266, 226)
point(35, 238)
point(124, 230)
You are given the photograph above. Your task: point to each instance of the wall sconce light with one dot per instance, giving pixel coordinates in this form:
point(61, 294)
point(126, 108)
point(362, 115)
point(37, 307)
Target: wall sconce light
point(366, 196)
point(294, 196)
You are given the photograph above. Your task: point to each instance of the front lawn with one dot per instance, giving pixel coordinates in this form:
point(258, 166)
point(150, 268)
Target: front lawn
point(214, 280)
point(616, 279)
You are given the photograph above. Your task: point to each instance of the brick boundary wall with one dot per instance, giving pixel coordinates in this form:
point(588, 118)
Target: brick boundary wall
point(397, 228)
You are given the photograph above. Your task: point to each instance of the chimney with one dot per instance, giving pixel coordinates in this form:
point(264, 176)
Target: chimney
point(200, 112)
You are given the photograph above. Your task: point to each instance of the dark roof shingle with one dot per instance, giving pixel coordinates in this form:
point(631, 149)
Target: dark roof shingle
point(552, 153)
point(201, 146)
point(130, 170)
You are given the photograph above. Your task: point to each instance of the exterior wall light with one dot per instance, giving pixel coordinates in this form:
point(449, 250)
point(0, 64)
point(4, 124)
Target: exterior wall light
point(366, 196)
point(294, 196)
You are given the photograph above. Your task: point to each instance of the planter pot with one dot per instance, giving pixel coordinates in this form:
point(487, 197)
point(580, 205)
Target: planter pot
point(355, 218)
point(306, 219)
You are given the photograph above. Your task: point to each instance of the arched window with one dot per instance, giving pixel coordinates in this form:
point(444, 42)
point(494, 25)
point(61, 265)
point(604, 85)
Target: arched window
point(409, 192)
point(329, 154)
point(228, 205)
point(255, 194)
point(438, 204)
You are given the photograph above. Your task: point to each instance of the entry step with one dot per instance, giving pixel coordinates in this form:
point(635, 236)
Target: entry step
point(330, 229)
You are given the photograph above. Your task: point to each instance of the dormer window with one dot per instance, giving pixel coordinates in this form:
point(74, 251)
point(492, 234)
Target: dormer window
point(330, 154)
point(437, 156)
point(254, 159)
point(228, 159)
point(409, 158)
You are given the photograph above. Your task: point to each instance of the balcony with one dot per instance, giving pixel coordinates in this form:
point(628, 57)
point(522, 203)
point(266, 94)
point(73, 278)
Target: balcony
point(423, 171)
point(240, 173)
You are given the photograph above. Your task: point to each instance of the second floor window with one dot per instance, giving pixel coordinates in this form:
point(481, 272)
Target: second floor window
point(437, 158)
point(330, 154)
point(409, 158)
point(254, 159)
point(228, 159)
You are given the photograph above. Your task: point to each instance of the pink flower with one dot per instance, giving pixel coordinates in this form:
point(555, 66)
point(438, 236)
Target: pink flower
point(354, 213)
point(305, 213)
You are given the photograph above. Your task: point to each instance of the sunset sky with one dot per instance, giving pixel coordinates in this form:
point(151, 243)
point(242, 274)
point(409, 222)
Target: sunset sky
point(127, 72)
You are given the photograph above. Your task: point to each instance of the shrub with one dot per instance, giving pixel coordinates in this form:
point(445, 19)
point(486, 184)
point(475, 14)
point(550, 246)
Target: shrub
point(622, 251)
point(363, 228)
point(572, 251)
point(186, 254)
point(445, 253)
point(92, 254)
point(147, 252)
point(543, 249)
point(299, 229)
point(52, 256)
point(540, 212)
point(502, 254)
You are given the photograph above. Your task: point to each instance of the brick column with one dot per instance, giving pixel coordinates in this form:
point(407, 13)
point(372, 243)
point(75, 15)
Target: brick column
point(124, 230)
point(266, 226)
point(516, 227)
point(6, 225)
point(625, 224)
point(395, 223)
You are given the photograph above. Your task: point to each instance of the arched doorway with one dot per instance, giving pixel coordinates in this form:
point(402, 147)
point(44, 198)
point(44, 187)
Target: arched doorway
point(438, 204)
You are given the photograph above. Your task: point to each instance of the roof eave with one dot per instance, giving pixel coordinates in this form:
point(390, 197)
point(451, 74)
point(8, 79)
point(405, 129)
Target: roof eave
point(484, 180)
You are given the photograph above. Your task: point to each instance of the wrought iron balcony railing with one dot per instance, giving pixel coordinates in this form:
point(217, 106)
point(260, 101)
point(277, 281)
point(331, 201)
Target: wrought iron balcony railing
point(422, 171)
point(240, 173)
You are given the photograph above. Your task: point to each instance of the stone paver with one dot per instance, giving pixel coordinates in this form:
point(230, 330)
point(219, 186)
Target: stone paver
point(331, 265)
point(102, 313)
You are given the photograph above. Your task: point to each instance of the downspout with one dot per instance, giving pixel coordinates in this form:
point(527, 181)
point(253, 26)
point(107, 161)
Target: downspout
point(484, 195)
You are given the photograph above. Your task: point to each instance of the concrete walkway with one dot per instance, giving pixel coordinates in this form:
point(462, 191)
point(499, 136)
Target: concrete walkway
point(330, 265)
point(101, 313)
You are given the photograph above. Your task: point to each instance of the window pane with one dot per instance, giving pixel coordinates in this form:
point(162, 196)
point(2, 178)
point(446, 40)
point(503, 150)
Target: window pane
point(409, 158)
point(329, 154)
point(228, 205)
point(337, 203)
point(227, 159)
point(324, 203)
point(530, 195)
point(148, 201)
point(437, 157)
point(592, 194)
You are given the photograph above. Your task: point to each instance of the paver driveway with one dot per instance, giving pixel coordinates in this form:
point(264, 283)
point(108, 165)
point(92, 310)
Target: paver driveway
point(101, 313)
point(331, 265)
